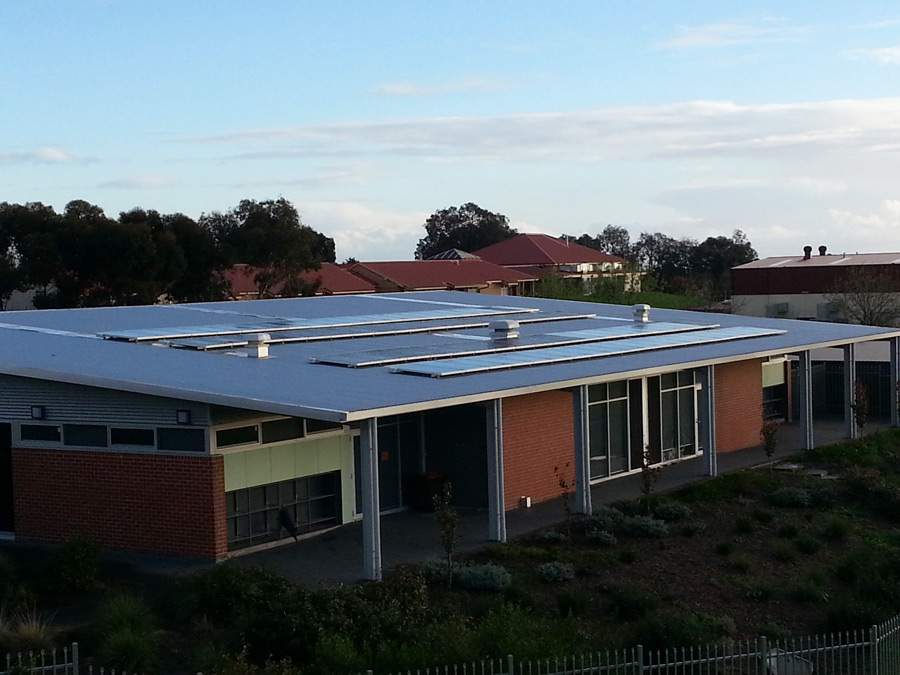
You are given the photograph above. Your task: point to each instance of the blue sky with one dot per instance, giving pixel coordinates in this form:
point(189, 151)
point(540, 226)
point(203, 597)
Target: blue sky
point(692, 119)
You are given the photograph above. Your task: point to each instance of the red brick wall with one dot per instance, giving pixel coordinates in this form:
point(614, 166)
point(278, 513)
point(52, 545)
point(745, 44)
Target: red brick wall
point(158, 503)
point(739, 406)
point(538, 435)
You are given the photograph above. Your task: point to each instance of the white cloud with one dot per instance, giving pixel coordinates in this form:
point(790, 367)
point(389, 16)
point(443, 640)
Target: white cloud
point(146, 181)
point(43, 155)
point(405, 88)
point(889, 55)
point(733, 32)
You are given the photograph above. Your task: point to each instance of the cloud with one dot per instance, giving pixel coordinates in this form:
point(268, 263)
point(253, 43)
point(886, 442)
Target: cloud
point(327, 176)
point(889, 55)
point(147, 181)
point(43, 155)
point(405, 88)
point(733, 32)
point(366, 233)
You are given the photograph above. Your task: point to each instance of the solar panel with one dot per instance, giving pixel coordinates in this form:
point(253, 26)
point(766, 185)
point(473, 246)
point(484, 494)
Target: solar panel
point(451, 349)
point(580, 351)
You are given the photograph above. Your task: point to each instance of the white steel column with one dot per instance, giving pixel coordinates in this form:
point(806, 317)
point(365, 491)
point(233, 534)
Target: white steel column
point(895, 381)
point(804, 372)
point(849, 393)
point(582, 451)
point(371, 504)
point(496, 510)
point(708, 418)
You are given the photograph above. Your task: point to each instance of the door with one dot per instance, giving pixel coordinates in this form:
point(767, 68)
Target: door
point(6, 482)
point(388, 470)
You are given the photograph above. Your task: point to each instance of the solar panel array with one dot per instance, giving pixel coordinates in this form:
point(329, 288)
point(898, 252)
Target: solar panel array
point(580, 351)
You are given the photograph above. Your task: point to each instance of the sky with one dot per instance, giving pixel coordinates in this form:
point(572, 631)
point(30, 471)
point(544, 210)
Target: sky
point(688, 118)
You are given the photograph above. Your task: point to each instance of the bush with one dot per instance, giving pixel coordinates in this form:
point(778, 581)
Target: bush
point(791, 497)
point(604, 518)
point(759, 590)
point(128, 650)
point(835, 529)
point(788, 531)
point(692, 527)
point(602, 537)
point(725, 548)
point(551, 537)
point(555, 572)
point(784, 551)
point(74, 567)
point(678, 627)
point(26, 631)
point(644, 527)
point(123, 610)
point(807, 545)
point(745, 525)
point(571, 603)
point(627, 556)
point(630, 604)
point(7, 576)
point(740, 563)
point(672, 512)
point(486, 577)
point(762, 516)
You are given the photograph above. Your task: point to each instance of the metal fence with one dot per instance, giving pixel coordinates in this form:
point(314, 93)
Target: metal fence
point(867, 652)
point(54, 662)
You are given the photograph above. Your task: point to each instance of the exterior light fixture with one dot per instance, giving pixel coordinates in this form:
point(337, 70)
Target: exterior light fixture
point(183, 416)
point(37, 412)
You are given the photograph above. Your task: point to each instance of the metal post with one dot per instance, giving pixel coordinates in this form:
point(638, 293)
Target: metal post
point(708, 418)
point(75, 658)
point(582, 452)
point(895, 381)
point(874, 667)
point(852, 429)
point(804, 372)
point(763, 651)
point(496, 508)
point(368, 445)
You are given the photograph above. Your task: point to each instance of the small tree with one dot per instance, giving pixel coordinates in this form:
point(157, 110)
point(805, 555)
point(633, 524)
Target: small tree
point(860, 405)
point(768, 437)
point(866, 296)
point(649, 476)
point(447, 519)
point(565, 494)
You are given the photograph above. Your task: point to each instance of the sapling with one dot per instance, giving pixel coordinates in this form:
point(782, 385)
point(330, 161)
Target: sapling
point(447, 519)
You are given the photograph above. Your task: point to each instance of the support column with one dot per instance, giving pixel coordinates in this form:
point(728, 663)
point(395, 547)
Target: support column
point(582, 451)
point(371, 505)
point(895, 381)
point(496, 509)
point(707, 418)
point(850, 426)
point(804, 373)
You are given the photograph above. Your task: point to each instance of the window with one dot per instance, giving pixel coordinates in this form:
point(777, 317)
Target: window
point(125, 436)
point(40, 432)
point(609, 428)
point(673, 415)
point(282, 430)
point(315, 426)
point(181, 440)
point(311, 503)
point(88, 435)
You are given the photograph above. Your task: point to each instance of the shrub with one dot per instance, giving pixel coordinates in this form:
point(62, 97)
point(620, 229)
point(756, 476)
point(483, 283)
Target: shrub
point(627, 556)
point(26, 631)
point(788, 531)
point(571, 603)
point(74, 567)
point(835, 529)
point(784, 551)
point(725, 548)
point(762, 516)
point(672, 512)
point(7, 576)
point(678, 626)
point(791, 497)
point(644, 527)
point(123, 610)
point(128, 649)
point(759, 590)
point(692, 527)
point(630, 604)
point(486, 577)
point(551, 537)
point(602, 537)
point(554, 572)
point(745, 525)
point(740, 563)
point(808, 590)
point(807, 545)
point(603, 518)
point(435, 570)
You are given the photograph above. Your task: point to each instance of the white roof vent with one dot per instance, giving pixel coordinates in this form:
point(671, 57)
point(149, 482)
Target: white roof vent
point(641, 313)
point(259, 346)
point(504, 329)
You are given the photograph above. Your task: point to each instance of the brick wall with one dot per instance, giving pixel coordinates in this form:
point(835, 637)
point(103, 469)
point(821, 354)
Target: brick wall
point(159, 503)
point(538, 435)
point(739, 406)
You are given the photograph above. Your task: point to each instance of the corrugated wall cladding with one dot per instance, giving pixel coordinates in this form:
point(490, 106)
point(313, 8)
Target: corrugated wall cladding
point(538, 436)
point(157, 503)
point(90, 405)
point(739, 408)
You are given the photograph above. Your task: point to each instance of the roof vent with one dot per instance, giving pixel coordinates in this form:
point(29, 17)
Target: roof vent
point(641, 313)
point(822, 250)
point(807, 252)
point(504, 329)
point(259, 346)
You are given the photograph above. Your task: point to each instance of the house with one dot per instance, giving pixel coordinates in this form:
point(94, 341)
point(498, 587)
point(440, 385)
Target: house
point(331, 279)
point(802, 287)
point(541, 254)
point(470, 274)
point(213, 428)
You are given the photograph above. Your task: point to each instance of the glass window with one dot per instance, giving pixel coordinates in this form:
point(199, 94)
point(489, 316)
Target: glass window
point(597, 392)
point(315, 426)
point(618, 389)
point(618, 436)
point(237, 436)
point(669, 380)
point(181, 440)
point(121, 436)
point(89, 435)
point(282, 430)
point(40, 432)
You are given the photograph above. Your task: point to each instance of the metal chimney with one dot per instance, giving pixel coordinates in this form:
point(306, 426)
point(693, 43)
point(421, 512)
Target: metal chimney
point(807, 252)
point(259, 346)
point(641, 313)
point(504, 329)
point(822, 250)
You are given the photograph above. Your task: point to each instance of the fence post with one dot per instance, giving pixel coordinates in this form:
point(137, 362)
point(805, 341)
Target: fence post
point(640, 658)
point(75, 658)
point(873, 651)
point(763, 651)
point(509, 664)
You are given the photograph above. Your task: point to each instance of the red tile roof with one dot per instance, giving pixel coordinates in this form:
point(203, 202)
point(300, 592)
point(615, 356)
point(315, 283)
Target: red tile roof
point(333, 280)
point(440, 274)
point(542, 249)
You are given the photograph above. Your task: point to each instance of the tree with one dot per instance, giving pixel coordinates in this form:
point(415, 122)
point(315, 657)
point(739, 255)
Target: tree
point(867, 296)
point(715, 256)
point(468, 228)
point(269, 237)
point(668, 260)
point(615, 240)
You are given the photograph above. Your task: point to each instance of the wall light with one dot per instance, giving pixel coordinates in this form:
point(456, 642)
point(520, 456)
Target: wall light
point(183, 416)
point(37, 412)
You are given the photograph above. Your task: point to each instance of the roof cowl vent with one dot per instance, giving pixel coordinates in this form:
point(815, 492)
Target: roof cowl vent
point(504, 329)
point(258, 345)
point(641, 313)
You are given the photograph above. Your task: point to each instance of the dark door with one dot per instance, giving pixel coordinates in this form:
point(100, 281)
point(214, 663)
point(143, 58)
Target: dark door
point(6, 482)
